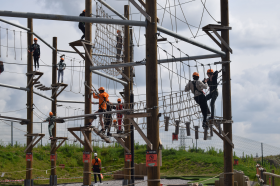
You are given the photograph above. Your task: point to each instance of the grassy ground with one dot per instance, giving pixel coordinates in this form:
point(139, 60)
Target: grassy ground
point(176, 163)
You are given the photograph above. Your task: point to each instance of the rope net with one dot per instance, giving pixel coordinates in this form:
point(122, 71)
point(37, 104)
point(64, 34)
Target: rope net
point(108, 43)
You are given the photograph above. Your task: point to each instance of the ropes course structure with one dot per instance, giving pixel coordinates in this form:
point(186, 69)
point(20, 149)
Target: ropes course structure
point(174, 106)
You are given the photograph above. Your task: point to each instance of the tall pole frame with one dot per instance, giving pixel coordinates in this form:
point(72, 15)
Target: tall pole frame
point(29, 164)
point(127, 171)
point(152, 89)
point(227, 112)
point(54, 80)
point(88, 79)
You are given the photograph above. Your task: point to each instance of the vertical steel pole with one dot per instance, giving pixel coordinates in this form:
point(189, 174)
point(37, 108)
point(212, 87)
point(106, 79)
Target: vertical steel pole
point(127, 171)
point(262, 152)
point(152, 89)
point(228, 151)
point(54, 80)
point(132, 101)
point(12, 134)
point(29, 164)
point(41, 133)
point(88, 79)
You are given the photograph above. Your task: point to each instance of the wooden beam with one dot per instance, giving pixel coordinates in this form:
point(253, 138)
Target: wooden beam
point(141, 133)
point(161, 39)
point(141, 10)
point(77, 137)
point(61, 91)
point(138, 115)
point(142, 3)
point(227, 139)
point(87, 141)
point(221, 39)
point(87, 54)
point(214, 39)
point(121, 142)
point(78, 52)
point(102, 136)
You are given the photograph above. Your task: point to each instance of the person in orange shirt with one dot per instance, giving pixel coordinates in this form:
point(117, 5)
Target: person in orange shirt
point(103, 99)
point(96, 167)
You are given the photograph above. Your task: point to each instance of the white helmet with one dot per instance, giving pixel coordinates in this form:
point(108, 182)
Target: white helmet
point(95, 154)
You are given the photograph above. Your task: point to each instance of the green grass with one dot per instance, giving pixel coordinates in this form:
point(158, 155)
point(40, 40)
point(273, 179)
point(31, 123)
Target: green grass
point(188, 165)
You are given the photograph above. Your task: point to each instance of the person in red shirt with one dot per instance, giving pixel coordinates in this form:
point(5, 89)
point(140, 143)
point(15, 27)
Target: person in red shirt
point(119, 115)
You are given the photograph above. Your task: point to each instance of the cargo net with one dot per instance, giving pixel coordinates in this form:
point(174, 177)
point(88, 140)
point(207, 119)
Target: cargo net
point(108, 44)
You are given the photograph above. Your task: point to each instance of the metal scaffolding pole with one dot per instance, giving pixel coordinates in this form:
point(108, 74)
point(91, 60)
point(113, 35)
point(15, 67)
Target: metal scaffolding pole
point(109, 77)
point(16, 25)
point(14, 87)
point(71, 18)
point(159, 61)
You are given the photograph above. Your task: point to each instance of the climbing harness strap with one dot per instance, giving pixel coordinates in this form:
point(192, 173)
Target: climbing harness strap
point(194, 87)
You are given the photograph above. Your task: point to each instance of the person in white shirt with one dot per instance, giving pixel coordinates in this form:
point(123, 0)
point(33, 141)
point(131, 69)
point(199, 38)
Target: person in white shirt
point(60, 69)
point(197, 86)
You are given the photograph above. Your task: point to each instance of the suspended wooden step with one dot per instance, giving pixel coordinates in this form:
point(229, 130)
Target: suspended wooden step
point(34, 80)
point(166, 122)
point(188, 128)
point(33, 142)
point(54, 140)
point(57, 86)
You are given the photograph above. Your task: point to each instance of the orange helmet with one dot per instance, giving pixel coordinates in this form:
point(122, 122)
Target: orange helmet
point(84, 10)
point(114, 121)
point(119, 100)
point(101, 88)
point(35, 39)
point(196, 74)
point(51, 114)
point(118, 31)
point(62, 59)
point(210, 71)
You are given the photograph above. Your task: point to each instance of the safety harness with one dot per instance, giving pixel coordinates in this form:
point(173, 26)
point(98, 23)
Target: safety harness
point(195, 89)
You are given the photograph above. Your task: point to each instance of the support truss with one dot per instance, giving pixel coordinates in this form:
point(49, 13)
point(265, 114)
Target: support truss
point(32, 143)
point(32, 80)
point(57, 86)
point(55, 139)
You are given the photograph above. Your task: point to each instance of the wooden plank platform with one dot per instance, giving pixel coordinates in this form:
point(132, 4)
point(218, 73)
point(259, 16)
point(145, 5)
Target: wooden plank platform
point(59, 84)
point(23, 121)
point(119, 135)
point(216, 27)
point(35, 73)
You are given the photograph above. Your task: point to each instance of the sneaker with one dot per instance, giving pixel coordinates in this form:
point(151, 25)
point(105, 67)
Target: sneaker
point(204, 125)
point(38, 69)
point(51, 138)
point(94, 117)
point(211, 118)
point(118, 131)
point(88, 125)
point(109, 134)
point(102, 131)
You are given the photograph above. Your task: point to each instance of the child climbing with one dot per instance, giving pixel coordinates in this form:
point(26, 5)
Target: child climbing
point(197, 86)
point(108, 118)
point(51, 121)
point(60, 69)
point(82, 25)
point(119, 45)
point(213, 94)
point(35, 50)
point(119, 115)
point(103, 99)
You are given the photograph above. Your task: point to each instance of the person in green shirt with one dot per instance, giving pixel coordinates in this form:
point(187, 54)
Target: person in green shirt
point(51, 121)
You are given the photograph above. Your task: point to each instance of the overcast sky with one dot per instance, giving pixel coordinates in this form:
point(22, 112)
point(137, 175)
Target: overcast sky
point(254, 39)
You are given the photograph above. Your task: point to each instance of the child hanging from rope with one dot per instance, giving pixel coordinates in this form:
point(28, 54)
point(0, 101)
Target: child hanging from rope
point(51, 121)
point(213, 94)
point(1, 67)
point(35, 50)
point(108, 118)
point(60, 67)
point(82, 24)
point(119, 115)
point(119, 45)
point(103, 99)
point(197, 86)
